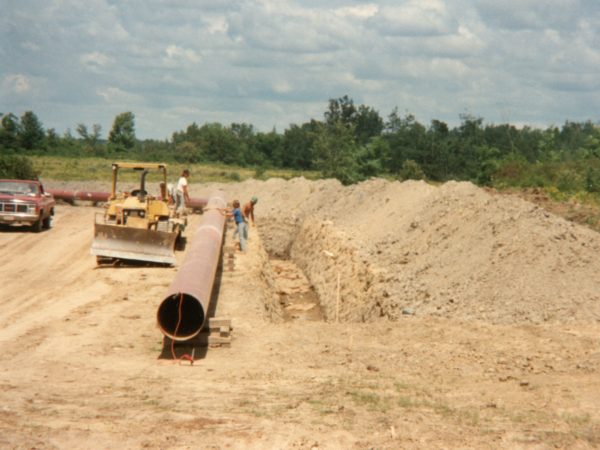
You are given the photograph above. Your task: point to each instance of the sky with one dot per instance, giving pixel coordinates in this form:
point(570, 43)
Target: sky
point(273, 63)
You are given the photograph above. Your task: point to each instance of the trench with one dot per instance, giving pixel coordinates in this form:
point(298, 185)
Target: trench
point(297, 298)
point(314, 272)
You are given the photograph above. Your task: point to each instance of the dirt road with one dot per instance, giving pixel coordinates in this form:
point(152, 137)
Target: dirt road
point(80, 366)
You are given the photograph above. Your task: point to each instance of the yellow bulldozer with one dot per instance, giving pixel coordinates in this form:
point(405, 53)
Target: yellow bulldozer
point(136, 225)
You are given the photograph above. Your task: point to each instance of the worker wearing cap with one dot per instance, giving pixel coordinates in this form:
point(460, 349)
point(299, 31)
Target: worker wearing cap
point(248, 210)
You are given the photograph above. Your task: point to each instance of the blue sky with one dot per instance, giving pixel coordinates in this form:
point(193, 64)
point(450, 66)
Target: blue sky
point(273, 63)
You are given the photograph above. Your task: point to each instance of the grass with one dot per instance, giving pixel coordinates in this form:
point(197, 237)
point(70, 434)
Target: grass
point(98, 169)
point(578, 207)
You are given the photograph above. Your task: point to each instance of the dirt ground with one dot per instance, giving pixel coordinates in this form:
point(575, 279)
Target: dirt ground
point(448, 318)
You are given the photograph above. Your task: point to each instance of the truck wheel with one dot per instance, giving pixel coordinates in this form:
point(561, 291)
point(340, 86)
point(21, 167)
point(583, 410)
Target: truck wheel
point(47, 223)
point(38, 225)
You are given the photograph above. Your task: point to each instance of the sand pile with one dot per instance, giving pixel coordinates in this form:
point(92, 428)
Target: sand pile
point(453, 251)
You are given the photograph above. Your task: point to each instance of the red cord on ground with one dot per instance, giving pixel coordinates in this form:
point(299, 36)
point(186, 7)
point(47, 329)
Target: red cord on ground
point(185, 356)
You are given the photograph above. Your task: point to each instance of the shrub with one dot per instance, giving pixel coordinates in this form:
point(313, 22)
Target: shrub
point(18, 167)
point(234, 176)
point(259, 172)
point(568, 181)
point(411, 171)
point(592, 179)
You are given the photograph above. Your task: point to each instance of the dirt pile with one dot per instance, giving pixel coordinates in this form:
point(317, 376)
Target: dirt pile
point(452, 251)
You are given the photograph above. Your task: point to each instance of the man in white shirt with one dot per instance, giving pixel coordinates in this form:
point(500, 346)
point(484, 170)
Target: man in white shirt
point(181, 193)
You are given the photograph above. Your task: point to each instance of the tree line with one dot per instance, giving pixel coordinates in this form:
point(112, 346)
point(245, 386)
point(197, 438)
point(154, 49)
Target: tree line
point(351, 143)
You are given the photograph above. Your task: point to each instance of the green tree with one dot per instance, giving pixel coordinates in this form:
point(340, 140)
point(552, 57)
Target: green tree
point(367, 124)
point(335, 152)
point(52, 138)
point(221, 144)
point(246, 141)
point(341, 110)
point(187, 152)
point(31, 132)
point(407, 140)
point(9, 131)
point(122, 134)
point(436, 159)
point(16, 167)
point(270, 148)
point(90, 139)
point(373, 157)
point(411, 171)
point(592, 179)
point(298, 145)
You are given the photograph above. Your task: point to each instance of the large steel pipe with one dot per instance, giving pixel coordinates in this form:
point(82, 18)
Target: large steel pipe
point(71, 196)
point(196, 203)
point(182, 313)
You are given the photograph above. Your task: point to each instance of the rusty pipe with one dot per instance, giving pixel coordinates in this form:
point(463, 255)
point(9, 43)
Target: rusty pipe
point(71, 196)
point(182, 313)
point(196, 203)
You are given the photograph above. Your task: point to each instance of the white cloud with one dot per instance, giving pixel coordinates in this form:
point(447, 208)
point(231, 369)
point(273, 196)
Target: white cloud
point(282, 87)
point(437, 69)
point(217, 25)
point(95, 60)
point(16, 84)
point(359, 11)
point(413, 19)
point(115, 96)
point(31, 46)
point(276, 62)
point(529, 14)
point(177, 54)
point(461, 43)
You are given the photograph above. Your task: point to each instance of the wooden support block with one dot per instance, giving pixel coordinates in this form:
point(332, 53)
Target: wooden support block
point(218, 326)
point(203, 339)
point(216, 333)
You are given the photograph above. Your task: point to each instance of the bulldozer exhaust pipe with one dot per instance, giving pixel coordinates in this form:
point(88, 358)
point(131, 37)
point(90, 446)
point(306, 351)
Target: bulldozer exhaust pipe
point(182, 313)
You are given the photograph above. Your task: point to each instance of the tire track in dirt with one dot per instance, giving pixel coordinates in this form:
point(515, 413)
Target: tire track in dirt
point(50, 265)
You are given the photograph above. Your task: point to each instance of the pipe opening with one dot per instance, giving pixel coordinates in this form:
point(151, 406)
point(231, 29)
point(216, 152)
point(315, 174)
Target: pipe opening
point(180, 317)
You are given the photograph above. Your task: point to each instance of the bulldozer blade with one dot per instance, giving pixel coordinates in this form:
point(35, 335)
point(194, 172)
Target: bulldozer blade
point(114, 241)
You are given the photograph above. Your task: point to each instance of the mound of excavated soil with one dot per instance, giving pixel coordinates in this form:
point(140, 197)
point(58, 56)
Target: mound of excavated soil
point(453, 251)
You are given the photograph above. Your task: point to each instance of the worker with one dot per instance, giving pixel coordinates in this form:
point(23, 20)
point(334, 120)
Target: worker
point(169, 193)
point(240, 223)
point(248, 210)
point(182, 195)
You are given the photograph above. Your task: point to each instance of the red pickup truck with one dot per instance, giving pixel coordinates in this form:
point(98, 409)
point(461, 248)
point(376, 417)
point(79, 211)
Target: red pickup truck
point(24, 202)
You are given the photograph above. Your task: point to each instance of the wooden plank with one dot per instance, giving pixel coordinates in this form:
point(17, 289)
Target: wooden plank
point(219, 322)
point(201, 340)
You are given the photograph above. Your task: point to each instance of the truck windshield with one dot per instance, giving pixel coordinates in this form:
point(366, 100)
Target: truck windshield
point(18, 188)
